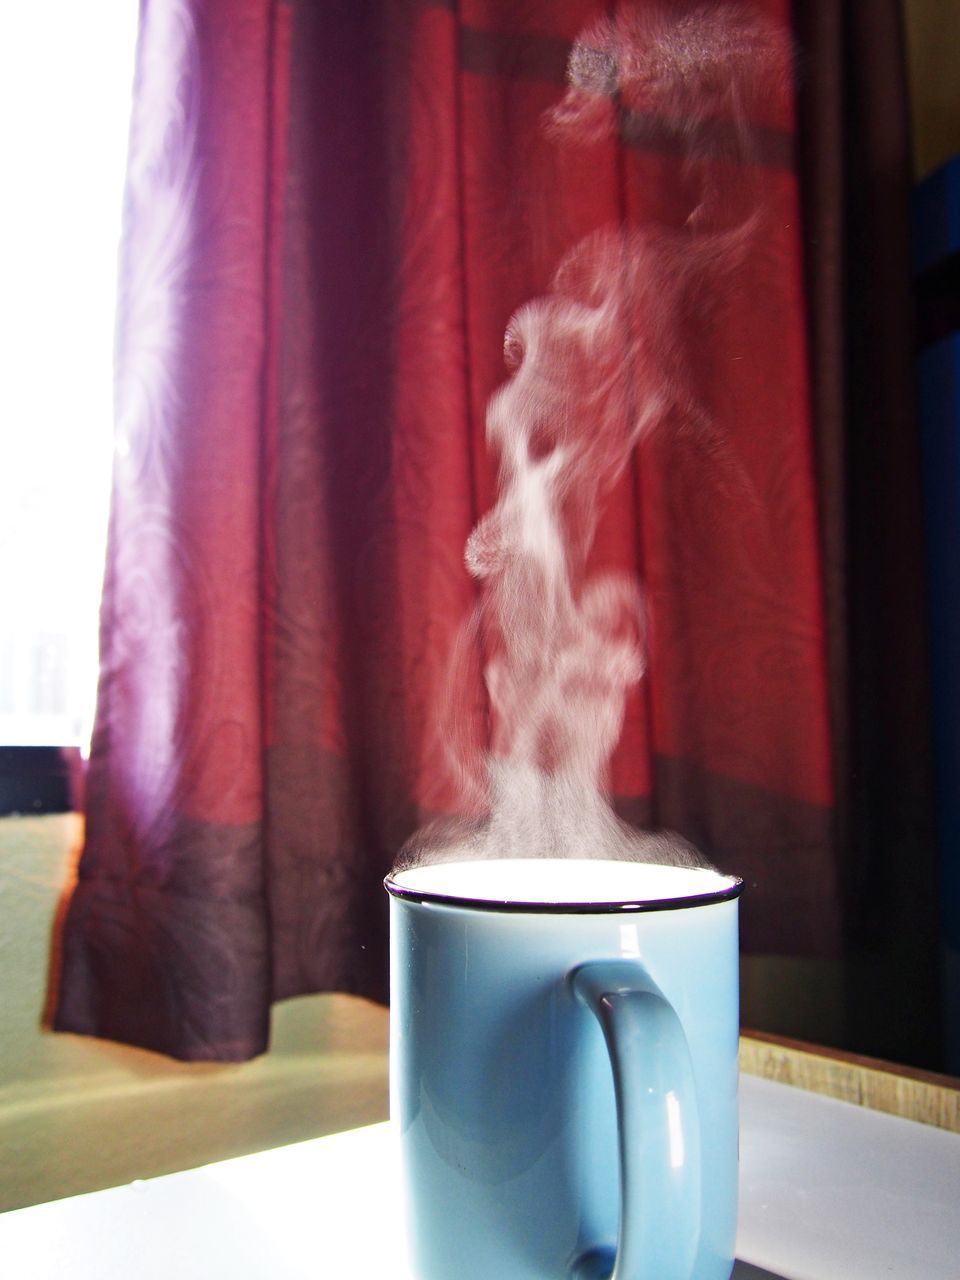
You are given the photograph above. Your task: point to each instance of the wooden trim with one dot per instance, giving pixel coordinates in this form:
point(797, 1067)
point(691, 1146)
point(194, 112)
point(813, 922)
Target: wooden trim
point(867, 1082)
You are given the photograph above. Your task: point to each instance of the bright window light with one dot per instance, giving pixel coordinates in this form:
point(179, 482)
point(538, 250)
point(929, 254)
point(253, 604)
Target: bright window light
point(65, 79)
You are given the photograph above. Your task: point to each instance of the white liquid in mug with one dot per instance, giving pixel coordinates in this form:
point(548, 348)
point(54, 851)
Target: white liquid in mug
point(561, 881)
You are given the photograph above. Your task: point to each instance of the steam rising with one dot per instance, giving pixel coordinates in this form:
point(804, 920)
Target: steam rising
point(596, 365)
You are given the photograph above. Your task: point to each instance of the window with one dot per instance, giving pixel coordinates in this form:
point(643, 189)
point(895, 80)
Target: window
point(65, 78)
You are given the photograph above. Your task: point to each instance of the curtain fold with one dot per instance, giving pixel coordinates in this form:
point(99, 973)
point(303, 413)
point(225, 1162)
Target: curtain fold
point(166, 942)
point(856, 176)
point(333, 211)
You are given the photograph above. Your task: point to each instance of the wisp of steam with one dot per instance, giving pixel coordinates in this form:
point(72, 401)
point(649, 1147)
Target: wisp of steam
point(596, 365)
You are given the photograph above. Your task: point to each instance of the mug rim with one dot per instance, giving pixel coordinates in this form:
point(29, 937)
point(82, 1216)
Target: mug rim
point(728, 893)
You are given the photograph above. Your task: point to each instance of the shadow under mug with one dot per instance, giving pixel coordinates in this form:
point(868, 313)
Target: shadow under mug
point(563, 1069)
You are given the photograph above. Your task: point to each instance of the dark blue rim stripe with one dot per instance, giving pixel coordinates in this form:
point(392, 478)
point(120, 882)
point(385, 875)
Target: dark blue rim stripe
point(727, 894)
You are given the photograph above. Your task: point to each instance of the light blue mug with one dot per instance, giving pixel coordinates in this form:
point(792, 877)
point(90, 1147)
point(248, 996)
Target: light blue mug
point(563, 1069)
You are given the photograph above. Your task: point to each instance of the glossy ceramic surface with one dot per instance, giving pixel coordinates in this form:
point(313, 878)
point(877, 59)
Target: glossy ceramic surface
point(515, 1031)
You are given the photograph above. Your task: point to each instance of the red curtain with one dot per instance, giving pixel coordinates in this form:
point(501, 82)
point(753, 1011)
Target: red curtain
point(333, 210)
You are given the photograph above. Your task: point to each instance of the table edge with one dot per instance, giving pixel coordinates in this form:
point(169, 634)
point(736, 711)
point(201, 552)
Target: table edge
point(907, 1092)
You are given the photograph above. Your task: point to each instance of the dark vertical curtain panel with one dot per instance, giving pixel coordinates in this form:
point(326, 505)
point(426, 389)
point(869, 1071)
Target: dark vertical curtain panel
point(856, 174)
point(333, 209)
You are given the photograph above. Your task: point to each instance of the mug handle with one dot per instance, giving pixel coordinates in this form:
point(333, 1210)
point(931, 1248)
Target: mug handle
point(657, 1122)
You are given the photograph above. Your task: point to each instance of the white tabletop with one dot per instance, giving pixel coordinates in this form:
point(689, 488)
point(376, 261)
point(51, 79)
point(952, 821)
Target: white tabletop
point(829, 1191)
